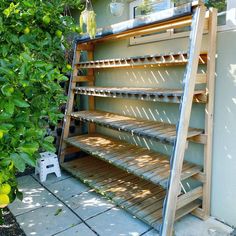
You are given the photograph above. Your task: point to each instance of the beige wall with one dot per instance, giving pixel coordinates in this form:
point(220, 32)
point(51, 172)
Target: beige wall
point(224, 149)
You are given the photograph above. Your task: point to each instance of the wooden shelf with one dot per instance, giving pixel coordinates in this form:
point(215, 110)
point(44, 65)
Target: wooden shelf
point(155, 130)
point(142, 61)
point(137, 196)
point(146, 94)
point(140, 161)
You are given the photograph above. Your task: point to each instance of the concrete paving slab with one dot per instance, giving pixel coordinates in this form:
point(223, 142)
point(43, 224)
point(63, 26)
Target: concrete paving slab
point(47, 221)
point(88, 204)
point(41, 213)
point(152, 232)
point(27, 181)
point(67, 188)
point(117, 222)
point(35, 196)
point(78, 230)
point(52, 178)
point(192, 226)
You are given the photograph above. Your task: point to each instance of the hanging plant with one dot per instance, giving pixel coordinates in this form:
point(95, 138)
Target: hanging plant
point(88, 20)
point(146, 6)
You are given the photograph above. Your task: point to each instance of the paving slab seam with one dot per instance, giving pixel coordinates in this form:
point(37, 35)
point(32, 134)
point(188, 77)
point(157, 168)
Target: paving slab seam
point(221, 221)
point(91, 217)
point(35, 209)
point(66, 229)
point(82, 220)
point(149, 230)
point(58, 180)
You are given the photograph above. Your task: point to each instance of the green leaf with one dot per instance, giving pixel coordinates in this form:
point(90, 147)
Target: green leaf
point(9, 107)
point(19, 195)
point(6, 127)
point(20, 103)
point(40, 64)
point(18, 162)
point(48, 147)
point(4, 50)
point(27, 3)
point(49, 139)
point(26, 56)
point(6, 71)
point(6, 162)
point(29, 148)
point(7, 90)
point(4, 116)
point(59, 210)
point(28, 159)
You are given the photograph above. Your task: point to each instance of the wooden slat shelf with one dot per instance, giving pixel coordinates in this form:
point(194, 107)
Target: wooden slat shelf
point(170, 59)
point(155, 130)
point(140, 161)
point(137, 196)
point(146, 94)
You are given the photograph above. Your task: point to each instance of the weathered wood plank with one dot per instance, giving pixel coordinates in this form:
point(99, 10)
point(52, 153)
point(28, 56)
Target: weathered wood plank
point(139, 197)
point(141, 162)
point(189, 197)
point(156, 130)
point(185, 113)
point(69, 105)
point(145, 94)
point(145, 61)
point(209, 116)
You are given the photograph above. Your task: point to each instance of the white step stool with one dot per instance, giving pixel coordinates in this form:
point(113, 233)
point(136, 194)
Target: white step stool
point(47, 164)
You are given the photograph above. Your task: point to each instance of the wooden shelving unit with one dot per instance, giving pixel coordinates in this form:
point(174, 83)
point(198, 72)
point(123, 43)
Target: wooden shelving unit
point(146, 183)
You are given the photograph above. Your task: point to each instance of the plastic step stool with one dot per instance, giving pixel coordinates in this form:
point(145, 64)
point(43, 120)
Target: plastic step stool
point(47, 164)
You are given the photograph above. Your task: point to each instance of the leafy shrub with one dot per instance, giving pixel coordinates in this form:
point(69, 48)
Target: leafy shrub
point(32, 62)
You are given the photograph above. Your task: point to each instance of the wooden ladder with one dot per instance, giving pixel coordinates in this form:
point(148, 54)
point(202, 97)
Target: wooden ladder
point(191, 78)
point(185, 113)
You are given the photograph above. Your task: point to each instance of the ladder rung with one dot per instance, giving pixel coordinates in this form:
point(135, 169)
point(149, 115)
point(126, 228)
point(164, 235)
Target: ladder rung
point(189, 197)
point(86, 78)
point(201, 79)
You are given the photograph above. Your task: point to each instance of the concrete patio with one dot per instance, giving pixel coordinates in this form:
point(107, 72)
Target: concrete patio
point(66, 207)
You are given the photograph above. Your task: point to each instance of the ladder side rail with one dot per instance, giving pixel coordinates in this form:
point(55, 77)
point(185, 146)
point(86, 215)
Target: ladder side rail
point(182, 129)
point(91, 99)
point(69, 105)
point(204, 212)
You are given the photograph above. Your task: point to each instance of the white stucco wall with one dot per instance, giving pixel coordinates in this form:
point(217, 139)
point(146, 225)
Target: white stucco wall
point(223, 204)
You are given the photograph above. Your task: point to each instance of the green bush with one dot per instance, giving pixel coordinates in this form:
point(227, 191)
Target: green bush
point(32, 62)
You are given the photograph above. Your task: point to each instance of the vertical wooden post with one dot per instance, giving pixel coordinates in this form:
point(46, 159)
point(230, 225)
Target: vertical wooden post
point(69, 105)
point(91, 127)
point(204, 212)
point(182, 129)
